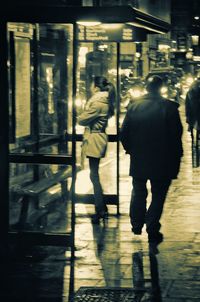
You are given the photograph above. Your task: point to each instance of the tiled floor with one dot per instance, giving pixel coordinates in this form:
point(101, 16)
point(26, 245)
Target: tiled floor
point(109, 255)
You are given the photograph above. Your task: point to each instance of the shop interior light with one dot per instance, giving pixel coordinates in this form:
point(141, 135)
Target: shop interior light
point(138, 55)
point(88, 23)
point(112, 26)
point(196, 17)
point(196, 58)
point(195, 39)
point(102, 47)
point(163, 47)
point(189, 55)
point(112, 71)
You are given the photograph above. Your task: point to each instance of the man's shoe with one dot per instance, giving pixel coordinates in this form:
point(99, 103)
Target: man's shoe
point(155, 238)
point(137, 231)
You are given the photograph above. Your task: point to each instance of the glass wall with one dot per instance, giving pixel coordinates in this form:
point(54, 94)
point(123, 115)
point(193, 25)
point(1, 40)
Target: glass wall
point(40, 69)
point(40, 63)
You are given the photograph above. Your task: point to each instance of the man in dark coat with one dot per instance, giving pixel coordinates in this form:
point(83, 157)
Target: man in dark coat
point(192, 109)
point(151, 133)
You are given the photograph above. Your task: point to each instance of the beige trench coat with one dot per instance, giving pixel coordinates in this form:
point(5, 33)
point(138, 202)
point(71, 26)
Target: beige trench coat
point(95, 120)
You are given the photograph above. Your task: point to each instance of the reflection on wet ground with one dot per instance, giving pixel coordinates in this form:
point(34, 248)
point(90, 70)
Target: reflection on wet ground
point(109, 256)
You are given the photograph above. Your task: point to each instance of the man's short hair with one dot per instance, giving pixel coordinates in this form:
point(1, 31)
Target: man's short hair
point(154, 83)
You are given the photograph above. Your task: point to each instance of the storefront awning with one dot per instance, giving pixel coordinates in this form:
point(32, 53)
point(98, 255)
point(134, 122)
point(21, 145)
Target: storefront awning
point(63, 14)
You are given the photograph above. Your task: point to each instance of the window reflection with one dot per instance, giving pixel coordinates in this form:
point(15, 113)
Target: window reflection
point(40, 110)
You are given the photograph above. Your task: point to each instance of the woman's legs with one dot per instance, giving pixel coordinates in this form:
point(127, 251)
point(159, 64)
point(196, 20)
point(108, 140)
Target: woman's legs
point(100, 206)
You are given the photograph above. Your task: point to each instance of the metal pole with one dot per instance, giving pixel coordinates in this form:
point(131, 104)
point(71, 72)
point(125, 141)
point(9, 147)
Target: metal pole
point(4, 138)
point(73, 216)
point(118, 113)
point(35, 113)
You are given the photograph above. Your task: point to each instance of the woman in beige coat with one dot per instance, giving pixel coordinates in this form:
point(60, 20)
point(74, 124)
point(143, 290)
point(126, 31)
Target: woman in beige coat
point(99, 108)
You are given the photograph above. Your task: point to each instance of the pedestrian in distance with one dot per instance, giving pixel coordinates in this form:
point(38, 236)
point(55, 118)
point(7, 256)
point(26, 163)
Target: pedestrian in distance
point(98, 109)
point(151, 133)
point(192, 109)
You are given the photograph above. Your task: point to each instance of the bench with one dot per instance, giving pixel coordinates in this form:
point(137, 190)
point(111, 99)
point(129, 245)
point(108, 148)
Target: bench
point(29, 194)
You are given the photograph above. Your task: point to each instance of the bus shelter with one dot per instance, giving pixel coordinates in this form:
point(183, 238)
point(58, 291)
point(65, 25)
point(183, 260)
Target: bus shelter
point(48, 61)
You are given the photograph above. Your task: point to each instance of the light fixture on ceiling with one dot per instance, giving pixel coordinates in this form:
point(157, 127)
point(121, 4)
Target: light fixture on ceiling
point(88, 23)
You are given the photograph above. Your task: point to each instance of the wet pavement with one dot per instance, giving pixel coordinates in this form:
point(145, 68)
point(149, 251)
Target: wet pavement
point(109, 255)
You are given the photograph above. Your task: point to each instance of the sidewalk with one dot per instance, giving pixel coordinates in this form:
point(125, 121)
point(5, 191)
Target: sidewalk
point(108, 255)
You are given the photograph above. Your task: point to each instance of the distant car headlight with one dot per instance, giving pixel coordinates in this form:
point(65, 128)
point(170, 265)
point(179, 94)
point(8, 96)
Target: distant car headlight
point(164, 90)
point(178, 85)
point(189, 80)
point(78, 102)
point(135, 93)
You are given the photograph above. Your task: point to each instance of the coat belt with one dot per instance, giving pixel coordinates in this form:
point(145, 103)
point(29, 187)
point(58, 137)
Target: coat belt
point(97, 131)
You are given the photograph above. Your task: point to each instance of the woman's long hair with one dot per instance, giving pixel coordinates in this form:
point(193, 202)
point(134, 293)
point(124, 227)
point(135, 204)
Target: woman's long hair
point(103, 84)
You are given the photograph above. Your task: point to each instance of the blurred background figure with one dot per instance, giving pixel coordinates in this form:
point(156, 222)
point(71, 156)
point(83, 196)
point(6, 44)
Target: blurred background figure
point(192, 109)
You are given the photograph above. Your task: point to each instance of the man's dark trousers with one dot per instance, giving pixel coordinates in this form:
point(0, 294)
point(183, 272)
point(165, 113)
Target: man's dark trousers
point(139, 215)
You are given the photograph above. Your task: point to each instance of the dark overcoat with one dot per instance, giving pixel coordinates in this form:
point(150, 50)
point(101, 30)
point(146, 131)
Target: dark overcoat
point(151, 133)
point(192, 106)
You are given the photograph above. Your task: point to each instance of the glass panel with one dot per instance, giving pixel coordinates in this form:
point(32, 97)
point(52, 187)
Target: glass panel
point(40, 85)
point(132, 83)
point(96, 59)
point(40, 198)
point(107, 171)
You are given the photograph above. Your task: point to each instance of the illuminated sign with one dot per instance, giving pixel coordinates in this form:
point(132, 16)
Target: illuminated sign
point(110, 33)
